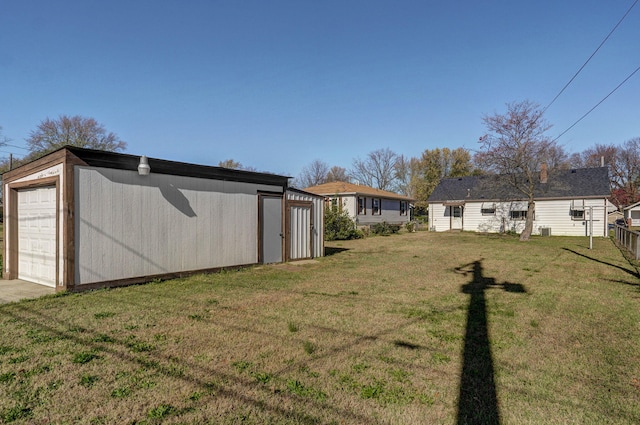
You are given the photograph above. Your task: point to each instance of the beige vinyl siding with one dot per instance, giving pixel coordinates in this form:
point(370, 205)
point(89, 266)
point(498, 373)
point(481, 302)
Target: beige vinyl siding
point(438, 220)
point(554, 214)
point(156, 224)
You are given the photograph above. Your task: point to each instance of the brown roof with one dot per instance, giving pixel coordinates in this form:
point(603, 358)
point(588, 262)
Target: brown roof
point(344, 188)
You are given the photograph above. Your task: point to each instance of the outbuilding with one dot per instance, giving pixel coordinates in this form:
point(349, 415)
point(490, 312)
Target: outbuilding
point(80, 219)
point(632, 214)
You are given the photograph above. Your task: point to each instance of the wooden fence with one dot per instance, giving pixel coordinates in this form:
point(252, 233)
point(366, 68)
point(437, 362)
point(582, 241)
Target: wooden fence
point(628, 239)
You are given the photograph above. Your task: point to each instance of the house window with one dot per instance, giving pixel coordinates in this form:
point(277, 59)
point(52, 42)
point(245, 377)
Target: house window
point(518, 215)
point(336, 204)
point(488, 209)
point(403, 207)
point(577, 209)
point(362, 206)
point(375, 206)
point(456, 211)
point(577, 214)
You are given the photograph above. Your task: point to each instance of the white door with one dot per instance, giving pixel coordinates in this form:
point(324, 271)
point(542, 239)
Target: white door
point(37, 235)
point(300, 226)
point(456, 217)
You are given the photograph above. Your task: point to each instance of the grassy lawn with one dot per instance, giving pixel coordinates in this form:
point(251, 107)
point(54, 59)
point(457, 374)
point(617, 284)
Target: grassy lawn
point(411, 328)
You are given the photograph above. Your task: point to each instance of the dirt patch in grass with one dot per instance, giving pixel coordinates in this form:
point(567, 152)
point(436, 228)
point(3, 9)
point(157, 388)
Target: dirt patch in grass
point(411, 328)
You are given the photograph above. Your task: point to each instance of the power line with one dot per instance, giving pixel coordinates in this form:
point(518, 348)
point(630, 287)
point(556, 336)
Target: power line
point(598, 104)
point(14, 146)
point(14, 154)
point(590, 57)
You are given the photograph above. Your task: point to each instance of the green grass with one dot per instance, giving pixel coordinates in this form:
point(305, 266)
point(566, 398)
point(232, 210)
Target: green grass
point(410, 328)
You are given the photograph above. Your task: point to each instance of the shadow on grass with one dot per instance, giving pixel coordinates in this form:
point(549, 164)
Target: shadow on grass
point(209, 378)
point(205, 377)
point(330, 250)
point(478, 399)
point(635, 273)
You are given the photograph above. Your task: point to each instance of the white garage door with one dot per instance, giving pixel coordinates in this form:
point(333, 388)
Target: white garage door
point(37, 235)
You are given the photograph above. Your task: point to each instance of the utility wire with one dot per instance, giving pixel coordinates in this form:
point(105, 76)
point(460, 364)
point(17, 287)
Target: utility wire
point(14, 146)
point(598, 104)
point(590, 57)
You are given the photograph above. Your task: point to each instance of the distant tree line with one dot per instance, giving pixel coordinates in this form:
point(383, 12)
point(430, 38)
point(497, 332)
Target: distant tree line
point(515, 144)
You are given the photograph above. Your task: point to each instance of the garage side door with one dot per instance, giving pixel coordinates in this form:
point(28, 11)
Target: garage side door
point(271, 229)
point(37, 235)
point(301, 224)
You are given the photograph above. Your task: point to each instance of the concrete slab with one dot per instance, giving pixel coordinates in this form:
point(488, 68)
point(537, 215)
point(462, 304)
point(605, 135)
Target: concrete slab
point(16, 290)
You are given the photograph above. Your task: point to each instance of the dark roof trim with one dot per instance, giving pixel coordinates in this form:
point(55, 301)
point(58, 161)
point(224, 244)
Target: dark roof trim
point(120, 161)
point(303, 192)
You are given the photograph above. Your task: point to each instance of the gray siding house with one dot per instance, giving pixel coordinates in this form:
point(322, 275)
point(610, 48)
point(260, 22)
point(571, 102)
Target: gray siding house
point(366, 205)
point(564, 203)
point(78, 219)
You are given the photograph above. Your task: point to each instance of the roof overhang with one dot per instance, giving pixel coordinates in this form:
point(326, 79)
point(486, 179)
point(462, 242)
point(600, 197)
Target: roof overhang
point(453, 203)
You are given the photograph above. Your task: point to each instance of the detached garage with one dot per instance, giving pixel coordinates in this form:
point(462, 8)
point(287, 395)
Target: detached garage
point(80, 219)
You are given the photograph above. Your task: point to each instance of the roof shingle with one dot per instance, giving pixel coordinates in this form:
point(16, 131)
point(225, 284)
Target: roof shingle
point(576, 183)
point(336, 188)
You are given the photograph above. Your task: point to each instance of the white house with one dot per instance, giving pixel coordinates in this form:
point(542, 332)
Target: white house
point(78, 219)
point(632, 214)
point(365, 204)
point(568, 202)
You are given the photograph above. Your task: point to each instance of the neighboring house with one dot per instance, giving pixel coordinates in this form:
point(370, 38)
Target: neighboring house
point(486, 204)
point(364, 204)
point(614, 215)
point(79, 219)
point(632, 214)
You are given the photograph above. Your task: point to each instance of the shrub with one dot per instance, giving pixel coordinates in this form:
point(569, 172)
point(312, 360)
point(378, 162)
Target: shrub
point(384, 228)
point(338, 225)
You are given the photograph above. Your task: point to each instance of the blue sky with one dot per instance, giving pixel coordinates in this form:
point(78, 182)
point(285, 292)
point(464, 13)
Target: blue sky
point(276, 84)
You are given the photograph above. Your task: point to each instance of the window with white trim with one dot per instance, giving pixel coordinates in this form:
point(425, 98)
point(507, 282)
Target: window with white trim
point(577, 209)
point(403, 207)
point(488, 209)
point(518, 215)
point(518, 211)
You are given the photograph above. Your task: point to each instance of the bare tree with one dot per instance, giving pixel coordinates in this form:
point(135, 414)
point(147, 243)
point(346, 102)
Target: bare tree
point(337, 174)
point(515, 148)
point(624, 171)
point(376, 170)
point(75, 131)
point(313, 174)
point(624, 168)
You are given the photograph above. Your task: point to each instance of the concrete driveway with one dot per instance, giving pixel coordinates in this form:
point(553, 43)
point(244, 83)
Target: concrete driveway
point(16, 290)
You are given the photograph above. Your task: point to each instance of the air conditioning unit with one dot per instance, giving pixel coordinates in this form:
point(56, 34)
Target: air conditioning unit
point(545, 231)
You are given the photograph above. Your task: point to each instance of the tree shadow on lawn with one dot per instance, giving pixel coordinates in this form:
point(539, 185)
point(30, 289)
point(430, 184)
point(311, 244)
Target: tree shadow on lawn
point(478, 400)
point(633, 272)
point(206, 376)
point(121, 348)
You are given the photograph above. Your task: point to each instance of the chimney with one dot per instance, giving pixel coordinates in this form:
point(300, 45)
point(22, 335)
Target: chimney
point(602, 161)
point(544, 174)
